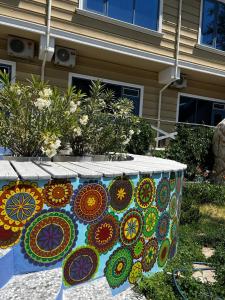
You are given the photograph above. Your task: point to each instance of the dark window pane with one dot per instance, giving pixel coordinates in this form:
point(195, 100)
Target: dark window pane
point(187, 110)
point(204, 112)
point(134, 96)
point(95, 5)
point(81, 84)
point(147, 13)
point(220, 43)
point(209, 22)
point(121, 9)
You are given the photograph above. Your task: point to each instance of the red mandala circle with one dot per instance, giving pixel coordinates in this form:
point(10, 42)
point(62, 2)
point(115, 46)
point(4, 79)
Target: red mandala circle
point(104, 234)
point(58, 193)
point(8, 238)
point(121, 193)
point(90, 203)
point(150, 255)
point(131, 227)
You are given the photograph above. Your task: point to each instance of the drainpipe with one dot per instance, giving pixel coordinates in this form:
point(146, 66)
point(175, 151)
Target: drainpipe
point(47, 39)
point(176, 69)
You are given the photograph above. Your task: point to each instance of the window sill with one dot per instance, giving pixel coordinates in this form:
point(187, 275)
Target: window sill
point(118, 22)
point(210, 49)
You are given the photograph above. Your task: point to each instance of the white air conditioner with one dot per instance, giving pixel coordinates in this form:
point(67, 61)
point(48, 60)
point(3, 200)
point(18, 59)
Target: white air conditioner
point(20, 47)
point(65, 56)
point(180, 83)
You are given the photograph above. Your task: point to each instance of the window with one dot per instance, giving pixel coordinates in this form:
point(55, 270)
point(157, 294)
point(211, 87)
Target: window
point(213, 24)
point(139, 12)
point(120, 90)
point(8, 67)
point(200, 111)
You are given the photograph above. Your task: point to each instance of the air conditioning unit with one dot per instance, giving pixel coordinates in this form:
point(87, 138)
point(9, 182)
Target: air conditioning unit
point(65, 56)
point(180, 83)
point(20, 47)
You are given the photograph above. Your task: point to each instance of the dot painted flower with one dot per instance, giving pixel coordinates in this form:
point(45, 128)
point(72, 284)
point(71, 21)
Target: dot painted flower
point(150, 221)
point(104, 234)
point(163, 194)
point(145, 193)
point(131, 227)
point(118, 267)
point(173, 205)
point(8, 238)
point(136, 273)
point(80, 265)
point(58, 193)
point(163, 253)
point(163, 226)
point(19, 201)
point(150, 255)
point(138, 248)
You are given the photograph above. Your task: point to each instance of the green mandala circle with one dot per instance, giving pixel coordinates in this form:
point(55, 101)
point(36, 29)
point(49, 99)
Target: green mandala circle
point(163, 194)
point(150, 221)
point(173, 205)
point(138, 248)
point(118, 267)
point(163, 253)
point(174, 228)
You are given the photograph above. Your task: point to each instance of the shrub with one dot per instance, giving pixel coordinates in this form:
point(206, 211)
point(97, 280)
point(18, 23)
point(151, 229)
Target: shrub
point(107, 124)
point(142, 138)
point(205, 193)
point(34, 117)
point(193, 146)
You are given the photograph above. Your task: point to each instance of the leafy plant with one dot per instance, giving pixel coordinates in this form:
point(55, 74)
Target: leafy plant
point(107, 124)
point(142, 138)
point(193, 146)
point(34, 117)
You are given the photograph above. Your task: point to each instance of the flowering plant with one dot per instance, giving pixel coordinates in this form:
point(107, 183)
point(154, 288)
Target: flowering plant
point(106, 124)
point(34, 117)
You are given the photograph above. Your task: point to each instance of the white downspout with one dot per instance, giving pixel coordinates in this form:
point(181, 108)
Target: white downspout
point(48, 29)
point(176, 69)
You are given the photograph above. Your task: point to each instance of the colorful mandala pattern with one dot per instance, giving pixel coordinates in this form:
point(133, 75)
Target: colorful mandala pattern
point(145, 193)
point(138, 248)
point(163, 194)
point(179, 182)
point(173, 205)
point(104, 234)
point(131, 227)
point(57, 193)
point(179, 203)
point(150, 221)
point(173, 229)
point(80, 265)
point(172, 180)
point(136, 273)
point(90, 203)
point(163, 253)
point(173, 248)
point(19, 201)
point(150, 255)
point(49, 236)
point(118, 267)
point(8, 238)
point(121, 193)
point(163, 226)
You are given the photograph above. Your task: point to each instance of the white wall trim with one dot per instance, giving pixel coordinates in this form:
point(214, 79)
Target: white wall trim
point(80, 39)
point(13, 65)
point(196, 97)
point(141, 87)
point(158, 32)
point(200, 23)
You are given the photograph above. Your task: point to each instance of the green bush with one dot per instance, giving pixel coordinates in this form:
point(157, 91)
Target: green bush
point(204, 193)
point(142, 138)
point(193, 146)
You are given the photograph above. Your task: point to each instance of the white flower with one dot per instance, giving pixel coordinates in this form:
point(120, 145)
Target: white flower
point(78, 103)
point(41, 103)
point(50, 145)
point(131, 132)
point(84, 120)
point(46, 93)
point(127, 141)
point(138, 131)
point(73, 107)
point(18, 91)
point(77, 131)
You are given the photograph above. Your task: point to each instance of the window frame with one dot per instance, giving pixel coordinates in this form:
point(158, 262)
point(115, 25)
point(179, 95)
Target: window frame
point(12, 64)
point(200, 44)
point(213, 100)
point(121, 83)
point(123, 23)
